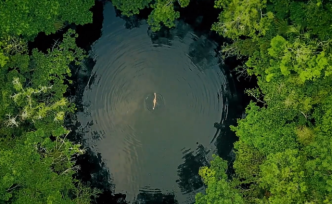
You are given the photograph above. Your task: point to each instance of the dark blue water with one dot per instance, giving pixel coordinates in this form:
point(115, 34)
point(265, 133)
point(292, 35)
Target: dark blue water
point(153, 151)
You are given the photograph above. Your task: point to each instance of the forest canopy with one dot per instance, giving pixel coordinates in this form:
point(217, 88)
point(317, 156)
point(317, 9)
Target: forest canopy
point(284, 151)
point(163, 11)
point(36, 159)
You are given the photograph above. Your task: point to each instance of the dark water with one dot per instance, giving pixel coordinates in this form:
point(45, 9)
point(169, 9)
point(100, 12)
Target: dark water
point(152, 152)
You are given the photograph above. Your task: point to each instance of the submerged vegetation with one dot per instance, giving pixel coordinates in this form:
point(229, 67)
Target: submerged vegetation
point(284, 152)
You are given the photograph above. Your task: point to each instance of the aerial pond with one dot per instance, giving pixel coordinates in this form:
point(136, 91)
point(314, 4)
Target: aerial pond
point(151, 105)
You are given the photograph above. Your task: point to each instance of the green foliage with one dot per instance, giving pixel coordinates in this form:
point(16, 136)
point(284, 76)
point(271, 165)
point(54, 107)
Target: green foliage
point(26, 173)
point(34, 168)
point(131, 7)
point(302, 59)
point(259, 130)
point(283, 175)
point(163, 12)
point(218, 190)
point(29, 172)
point(284, 150)
point(247, 166)
point(12, 45)
point(28, 18)
point(45, 74)
point(241, 17)
point(3, 57)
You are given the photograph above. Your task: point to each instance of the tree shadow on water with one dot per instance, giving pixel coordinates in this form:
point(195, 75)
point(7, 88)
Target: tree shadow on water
point(163, 37)
point(203, 52)
point(95, 174)
point(92, 170)
point(189, 179)
point(155, 197)
point(130, 21)
point(134, 21)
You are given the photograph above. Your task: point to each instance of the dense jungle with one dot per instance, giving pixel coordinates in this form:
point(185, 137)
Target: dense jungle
point(283, 150)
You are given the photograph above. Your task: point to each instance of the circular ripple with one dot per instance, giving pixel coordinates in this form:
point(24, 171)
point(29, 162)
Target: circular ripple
point(142, 149)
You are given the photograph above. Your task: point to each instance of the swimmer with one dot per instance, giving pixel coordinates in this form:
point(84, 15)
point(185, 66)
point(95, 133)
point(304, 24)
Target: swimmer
point(154, 101)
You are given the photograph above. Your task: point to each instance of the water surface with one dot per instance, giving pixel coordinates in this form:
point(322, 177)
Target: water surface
point(149, 150)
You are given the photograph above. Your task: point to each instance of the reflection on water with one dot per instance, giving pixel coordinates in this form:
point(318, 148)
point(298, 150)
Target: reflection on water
point(189, 181)
point(153, 155)
point(151, 196)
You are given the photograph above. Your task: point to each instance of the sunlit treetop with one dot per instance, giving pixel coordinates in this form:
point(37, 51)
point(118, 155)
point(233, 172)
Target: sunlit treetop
point(163, 12)
point(284, 150)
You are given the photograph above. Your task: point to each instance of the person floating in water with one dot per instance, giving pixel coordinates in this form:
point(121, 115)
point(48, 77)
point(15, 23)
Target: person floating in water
point(154, 101)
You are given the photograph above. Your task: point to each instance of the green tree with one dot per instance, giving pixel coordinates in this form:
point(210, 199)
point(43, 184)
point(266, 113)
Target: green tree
point(33, 167)
point(28, 18)
point(284, 146)
point(240, 17)
point(30, 171)
point(219, 189)
point(36, 159)
point(163, 10)
point(131, 7)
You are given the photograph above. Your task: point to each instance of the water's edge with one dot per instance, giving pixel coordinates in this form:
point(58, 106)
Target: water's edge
point(92, 168)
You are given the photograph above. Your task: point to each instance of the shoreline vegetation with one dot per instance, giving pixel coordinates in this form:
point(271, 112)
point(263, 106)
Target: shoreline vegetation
point(36, 159)
point(284, 151)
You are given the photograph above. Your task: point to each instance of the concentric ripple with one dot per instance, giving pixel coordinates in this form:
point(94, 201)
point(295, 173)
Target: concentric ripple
point(140, 145)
